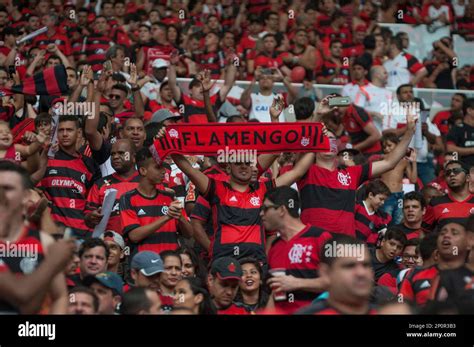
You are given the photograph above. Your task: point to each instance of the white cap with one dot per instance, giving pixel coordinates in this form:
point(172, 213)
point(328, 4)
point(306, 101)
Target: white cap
point(159, 63)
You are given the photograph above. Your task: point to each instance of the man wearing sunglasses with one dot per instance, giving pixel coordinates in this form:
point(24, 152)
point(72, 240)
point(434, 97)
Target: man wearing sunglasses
point(458, 204)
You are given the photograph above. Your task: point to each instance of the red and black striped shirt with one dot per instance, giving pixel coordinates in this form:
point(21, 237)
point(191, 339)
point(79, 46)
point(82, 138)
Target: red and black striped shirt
point(299, 256)
point(238, 230)
point(213, 61)
point(97, 194)
point(328, 197)
point(195, 111)
point(416, 286)
point(137, 210)
point(66, 182)
point(62, 41)
point(446, 209)
point(409, 232)
point(367, 225)
point(96, 47)
point(328, 68)
point(354, 120)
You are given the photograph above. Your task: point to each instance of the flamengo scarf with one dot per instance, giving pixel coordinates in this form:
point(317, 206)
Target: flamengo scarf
point(212, 138)
point(50, 81)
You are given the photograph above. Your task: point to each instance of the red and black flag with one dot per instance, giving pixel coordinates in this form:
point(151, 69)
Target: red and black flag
point(50, 81)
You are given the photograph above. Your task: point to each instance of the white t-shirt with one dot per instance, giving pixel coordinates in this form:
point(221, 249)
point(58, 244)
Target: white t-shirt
point(350, 90)
point(393, 122)
point(373, 99)
point(400, 69)
point(261, 107)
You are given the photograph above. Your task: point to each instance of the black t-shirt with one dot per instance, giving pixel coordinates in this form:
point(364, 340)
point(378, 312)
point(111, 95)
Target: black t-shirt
point(103, 154)
point(457, 284)
point(463, 136)
point(381, 268)
point(444, 79)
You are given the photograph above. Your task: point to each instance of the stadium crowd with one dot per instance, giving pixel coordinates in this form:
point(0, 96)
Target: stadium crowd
point(381, 223)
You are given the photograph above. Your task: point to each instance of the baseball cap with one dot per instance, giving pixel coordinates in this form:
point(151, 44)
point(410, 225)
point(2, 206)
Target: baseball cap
point(149, 263)
point(108, 279)
point(110, 235)
point(162, 115)
point(159, 64)
point(227, 268)
point(346, 147)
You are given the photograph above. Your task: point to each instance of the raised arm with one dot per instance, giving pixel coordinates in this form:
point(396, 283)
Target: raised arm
point(298, 171)
point(230, 74)
point(391, 160)
point(92, 134)
point(200, 180)
point(205, 78)
point(174, 60)
point(137, 95)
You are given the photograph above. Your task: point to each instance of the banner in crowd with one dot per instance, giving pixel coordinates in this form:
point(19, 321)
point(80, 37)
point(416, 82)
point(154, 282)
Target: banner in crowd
point(50, 81)
point(210, 139)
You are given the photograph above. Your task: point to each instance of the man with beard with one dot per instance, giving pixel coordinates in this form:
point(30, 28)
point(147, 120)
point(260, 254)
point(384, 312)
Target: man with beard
point(350, 278)
point(458, 204)
point(237, 203)
point(124, 179)
point(453, 247)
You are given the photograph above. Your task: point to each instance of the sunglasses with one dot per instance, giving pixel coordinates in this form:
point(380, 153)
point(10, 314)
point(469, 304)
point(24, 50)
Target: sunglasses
point(114, 96)
point(265, 208)
point(455, 171)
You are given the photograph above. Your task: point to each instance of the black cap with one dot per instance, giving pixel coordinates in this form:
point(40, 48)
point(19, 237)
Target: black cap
point(226, 268)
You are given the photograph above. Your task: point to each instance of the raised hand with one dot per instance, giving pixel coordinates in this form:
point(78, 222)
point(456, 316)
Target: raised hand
point(87, 75)
point(133, 75)
point(277, 107)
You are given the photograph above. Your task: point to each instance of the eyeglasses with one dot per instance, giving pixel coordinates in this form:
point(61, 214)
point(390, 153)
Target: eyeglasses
point(408, 257)
point(114, 96)
point(455, 171)
point(265, 208)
